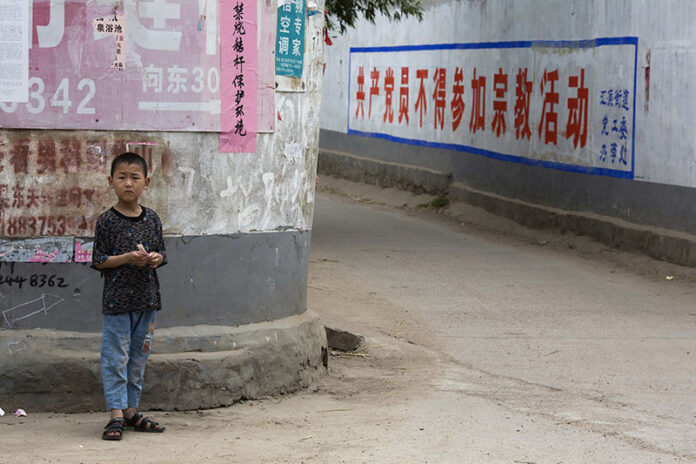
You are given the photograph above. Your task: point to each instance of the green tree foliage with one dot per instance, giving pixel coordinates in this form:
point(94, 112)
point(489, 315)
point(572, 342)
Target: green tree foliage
point(343, 14)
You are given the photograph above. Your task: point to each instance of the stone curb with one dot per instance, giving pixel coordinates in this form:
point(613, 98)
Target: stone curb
point(382, 173)
point(664, 244)
point(189, 368)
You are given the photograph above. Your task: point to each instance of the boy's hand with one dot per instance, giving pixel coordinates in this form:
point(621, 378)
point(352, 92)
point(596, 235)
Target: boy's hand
point(154, 259)
point(138, 257)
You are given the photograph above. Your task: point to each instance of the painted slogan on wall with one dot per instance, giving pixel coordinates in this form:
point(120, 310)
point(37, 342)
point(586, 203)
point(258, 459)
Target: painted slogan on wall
point(142, 65)
point(567, 105)
point(53, 187)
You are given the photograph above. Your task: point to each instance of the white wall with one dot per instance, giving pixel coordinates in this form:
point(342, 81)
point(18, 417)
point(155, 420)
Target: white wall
point(664, 142)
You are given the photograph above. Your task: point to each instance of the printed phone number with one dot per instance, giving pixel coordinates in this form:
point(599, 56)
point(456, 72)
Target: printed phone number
point(175, 81)
point(42, 225)
point(35, 280)
point(60, 99)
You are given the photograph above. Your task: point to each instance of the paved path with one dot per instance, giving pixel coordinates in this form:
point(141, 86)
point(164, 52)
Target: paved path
point(481, 348)
point(591, 362)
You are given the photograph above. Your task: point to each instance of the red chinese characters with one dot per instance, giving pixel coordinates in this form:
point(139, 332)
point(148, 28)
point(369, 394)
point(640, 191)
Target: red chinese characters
point(478, 103)
point(388, 91)
point(457, 103)
point(500, 86)
point(523, 92)
point(531, 112)
point(439, 96)
point(70, 156)
point(19, 197)
point(549, 117)
point(403, 95)
point(374, 89)
point(19, 159)
point(48, 156)
point(46, 159)
point(421, 103)
point(4, 198)
point(576, 127)
point(50, 186)
point(360, 94)
point(33, 197)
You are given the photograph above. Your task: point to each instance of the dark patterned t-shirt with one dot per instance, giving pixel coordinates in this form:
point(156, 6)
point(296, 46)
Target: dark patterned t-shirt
point(128, 288)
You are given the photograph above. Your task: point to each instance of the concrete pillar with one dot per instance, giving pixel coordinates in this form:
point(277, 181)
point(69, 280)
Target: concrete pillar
point(234, 322)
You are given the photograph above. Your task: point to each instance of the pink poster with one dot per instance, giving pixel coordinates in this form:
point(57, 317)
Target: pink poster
point(239, 75)
point(145, 65)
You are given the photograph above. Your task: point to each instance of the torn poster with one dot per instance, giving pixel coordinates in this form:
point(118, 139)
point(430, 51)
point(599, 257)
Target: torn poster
point(172, 76)
point(239, 76)
point(290, 38)
point(115, 26)
point(14, 51)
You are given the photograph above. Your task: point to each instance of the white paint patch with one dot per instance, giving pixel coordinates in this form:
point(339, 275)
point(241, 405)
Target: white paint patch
point(268, 182)
point(31, 308)
point(189, 174)
point(247, 217)
point(293, 151)
point(231, 189)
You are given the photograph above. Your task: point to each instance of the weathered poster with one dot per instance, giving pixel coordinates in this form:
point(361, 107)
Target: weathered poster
point(14, 50)
point(266, 96)
point(567, 105)
point(146, 65)
point(290, 38)
point(240, 73)
point(37, 250)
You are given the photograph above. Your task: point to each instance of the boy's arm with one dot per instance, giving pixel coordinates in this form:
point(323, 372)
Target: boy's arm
point(137, 257)
point(158, 258)
point(101, 259)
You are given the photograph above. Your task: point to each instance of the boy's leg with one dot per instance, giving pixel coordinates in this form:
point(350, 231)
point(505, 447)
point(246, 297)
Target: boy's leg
point(142, 331)
point(114, 359)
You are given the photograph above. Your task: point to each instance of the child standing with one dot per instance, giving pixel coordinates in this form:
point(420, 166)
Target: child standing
point(128, 247)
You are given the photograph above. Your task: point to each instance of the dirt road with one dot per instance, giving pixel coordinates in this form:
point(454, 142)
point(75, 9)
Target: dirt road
point(482, 347)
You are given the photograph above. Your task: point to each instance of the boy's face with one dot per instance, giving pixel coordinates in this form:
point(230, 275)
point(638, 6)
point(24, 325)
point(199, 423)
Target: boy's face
point(128, 182)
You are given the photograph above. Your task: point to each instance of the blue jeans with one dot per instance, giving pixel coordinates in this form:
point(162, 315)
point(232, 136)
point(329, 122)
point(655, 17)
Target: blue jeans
point(126, 343)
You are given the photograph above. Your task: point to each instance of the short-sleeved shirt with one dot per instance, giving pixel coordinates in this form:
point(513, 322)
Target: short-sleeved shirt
point(128, 288)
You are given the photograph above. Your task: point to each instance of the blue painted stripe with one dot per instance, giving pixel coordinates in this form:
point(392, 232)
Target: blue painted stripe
point(598, 42)
point(633, 135)
point(498, 156)
point(589, 43)
point(350, 80)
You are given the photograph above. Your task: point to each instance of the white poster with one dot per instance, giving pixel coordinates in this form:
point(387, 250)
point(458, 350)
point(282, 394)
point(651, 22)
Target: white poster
point(14, 50)
point(567, 105)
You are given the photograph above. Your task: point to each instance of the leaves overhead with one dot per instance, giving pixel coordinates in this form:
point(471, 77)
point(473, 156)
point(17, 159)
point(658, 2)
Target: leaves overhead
point(343, 14)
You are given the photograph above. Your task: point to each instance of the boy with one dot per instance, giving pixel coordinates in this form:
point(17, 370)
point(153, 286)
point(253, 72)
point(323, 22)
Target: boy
point(128, 247)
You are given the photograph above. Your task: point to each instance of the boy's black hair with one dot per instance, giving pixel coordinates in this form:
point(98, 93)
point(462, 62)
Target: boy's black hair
point(128, 158)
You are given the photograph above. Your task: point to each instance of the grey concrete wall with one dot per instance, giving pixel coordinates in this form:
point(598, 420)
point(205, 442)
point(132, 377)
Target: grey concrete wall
point(217, 280)
point(646, 203)
point(653, 61)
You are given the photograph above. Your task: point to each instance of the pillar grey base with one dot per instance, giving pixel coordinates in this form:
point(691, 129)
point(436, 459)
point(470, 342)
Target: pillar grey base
point(189, 368)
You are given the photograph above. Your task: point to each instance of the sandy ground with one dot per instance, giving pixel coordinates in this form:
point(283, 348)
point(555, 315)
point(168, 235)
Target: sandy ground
point(485, 342)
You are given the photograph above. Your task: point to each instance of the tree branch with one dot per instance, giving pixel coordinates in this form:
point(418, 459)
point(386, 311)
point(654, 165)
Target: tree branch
point(343, 14)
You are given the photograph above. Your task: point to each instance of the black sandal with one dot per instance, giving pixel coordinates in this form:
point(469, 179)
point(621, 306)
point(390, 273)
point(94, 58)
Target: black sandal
point(115, 428)
point(144, 425)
